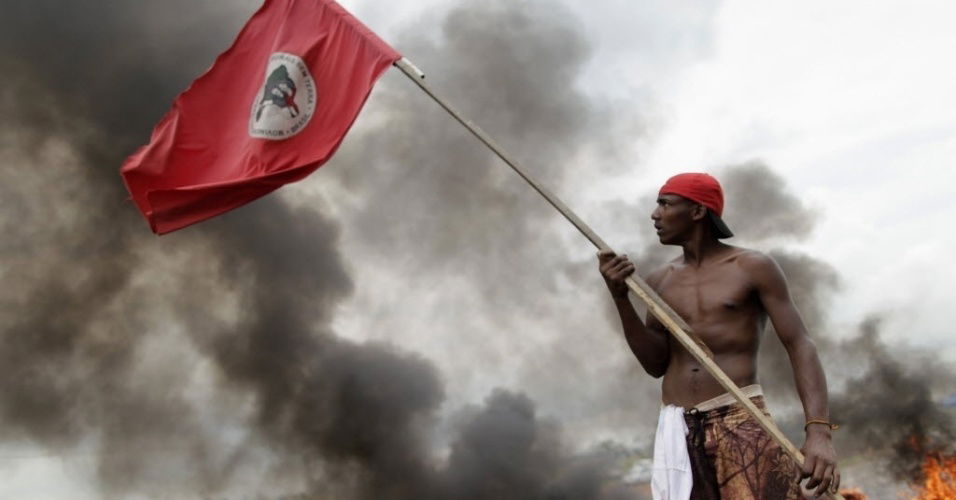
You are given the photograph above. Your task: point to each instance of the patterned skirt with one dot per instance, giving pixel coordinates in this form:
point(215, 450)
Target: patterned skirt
point(732, 457)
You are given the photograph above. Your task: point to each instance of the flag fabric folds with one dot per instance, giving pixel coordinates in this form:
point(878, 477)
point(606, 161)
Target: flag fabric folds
point(272, 108)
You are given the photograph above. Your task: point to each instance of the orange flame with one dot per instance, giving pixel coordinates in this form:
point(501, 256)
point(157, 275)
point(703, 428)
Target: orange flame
point(852, 494)
point(940, 484)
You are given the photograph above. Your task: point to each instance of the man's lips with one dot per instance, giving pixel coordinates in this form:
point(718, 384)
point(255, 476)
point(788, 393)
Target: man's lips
point(659, 229)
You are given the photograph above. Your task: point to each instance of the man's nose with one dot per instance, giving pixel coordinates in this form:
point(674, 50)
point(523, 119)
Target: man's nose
point(655, 215)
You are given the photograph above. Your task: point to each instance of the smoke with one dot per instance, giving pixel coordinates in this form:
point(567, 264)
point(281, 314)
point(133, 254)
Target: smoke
point(443, 198)
point(889, 409)
point(208, 361)
point(762, 207)
point(68, 357)
point(276, 351)
point(469, 234)
point(91, 366)
point(506, 436)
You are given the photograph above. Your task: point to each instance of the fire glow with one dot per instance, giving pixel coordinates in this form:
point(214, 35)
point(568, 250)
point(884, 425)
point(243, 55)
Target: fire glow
point(852, 494)
point(940, 478)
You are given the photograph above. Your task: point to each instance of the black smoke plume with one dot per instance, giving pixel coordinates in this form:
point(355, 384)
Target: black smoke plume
point(469, 233)
point(889, 409)
point(206, 362)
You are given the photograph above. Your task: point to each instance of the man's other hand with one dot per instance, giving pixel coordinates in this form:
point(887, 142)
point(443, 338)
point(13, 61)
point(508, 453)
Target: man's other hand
point(819, 462)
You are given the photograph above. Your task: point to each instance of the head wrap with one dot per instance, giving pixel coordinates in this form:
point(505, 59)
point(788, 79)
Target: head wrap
point(703, 189)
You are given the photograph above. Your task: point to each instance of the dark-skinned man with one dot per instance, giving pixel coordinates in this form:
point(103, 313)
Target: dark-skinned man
point(707, 445)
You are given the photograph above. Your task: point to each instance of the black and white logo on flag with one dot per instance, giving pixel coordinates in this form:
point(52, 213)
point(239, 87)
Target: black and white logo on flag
point(286, 102)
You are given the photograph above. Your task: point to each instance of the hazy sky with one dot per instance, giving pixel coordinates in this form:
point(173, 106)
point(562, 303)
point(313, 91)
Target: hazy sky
point(450, 258)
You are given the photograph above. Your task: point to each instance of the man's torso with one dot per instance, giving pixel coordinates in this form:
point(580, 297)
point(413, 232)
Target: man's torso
point(719, 302)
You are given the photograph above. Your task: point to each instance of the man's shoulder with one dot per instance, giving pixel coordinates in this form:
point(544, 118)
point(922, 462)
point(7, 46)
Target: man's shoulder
point(752, 258)
point(756, 264)
point(748, 256)
point(658, 273)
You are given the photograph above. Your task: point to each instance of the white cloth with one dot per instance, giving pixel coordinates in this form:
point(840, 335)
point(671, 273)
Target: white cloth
point(671, 477)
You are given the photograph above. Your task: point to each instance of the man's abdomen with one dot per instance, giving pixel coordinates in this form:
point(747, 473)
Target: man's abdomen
point(687, 383)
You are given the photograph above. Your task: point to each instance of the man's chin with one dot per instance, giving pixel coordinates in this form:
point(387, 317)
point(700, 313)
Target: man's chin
point(665, 241)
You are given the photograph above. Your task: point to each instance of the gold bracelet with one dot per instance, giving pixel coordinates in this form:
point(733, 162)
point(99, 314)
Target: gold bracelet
point(832, 427)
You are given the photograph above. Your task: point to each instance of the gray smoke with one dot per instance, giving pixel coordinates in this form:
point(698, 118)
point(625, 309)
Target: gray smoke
point(80, 369)
point(442, 198)
point(506, 437)
point(761, 205)
point(469, 233)
point(210, 361)
point(889, 410)
point(91, 363)
point(206, 361)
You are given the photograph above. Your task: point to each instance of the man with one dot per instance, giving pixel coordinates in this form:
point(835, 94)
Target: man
point(725, 294)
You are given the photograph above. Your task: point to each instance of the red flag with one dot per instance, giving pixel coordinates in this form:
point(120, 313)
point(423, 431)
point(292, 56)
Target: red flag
point(270, 110)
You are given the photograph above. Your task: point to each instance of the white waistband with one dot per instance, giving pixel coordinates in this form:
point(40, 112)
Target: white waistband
point(727, 398)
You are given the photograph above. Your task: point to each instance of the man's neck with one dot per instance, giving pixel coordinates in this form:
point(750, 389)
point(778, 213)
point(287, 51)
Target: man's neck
point(700, 247)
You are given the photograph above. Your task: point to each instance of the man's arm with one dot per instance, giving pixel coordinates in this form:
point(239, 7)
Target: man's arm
point(771, 285)
point(649, 344)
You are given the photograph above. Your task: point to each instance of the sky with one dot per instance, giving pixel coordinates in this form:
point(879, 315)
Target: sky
point(422, 258)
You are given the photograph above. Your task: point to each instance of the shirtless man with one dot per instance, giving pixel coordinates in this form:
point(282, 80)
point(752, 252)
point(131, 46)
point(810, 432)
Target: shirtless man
point(725, 294)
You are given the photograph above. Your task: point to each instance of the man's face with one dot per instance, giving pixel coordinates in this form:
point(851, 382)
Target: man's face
point(674, 218)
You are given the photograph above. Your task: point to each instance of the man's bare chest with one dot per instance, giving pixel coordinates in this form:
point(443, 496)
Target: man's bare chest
point(703, 294)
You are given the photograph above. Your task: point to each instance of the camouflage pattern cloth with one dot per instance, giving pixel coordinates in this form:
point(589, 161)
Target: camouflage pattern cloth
point(732, 457)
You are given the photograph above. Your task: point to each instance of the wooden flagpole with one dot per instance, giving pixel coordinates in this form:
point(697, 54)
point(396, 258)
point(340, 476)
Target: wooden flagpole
point(670, 319)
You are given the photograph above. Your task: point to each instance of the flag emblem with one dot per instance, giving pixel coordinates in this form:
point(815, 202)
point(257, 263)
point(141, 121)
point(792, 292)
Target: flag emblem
point(286, 101)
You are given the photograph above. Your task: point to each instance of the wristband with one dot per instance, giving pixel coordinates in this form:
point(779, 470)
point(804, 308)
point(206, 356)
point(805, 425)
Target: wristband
point(832, 427)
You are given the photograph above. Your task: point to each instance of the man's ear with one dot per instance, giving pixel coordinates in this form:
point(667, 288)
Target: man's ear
point(698, 212)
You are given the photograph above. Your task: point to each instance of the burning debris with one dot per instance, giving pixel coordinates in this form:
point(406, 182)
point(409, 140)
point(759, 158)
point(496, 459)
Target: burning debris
point(889, 412)
point(206, 362)
point(940, 478)
point(852, 494)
